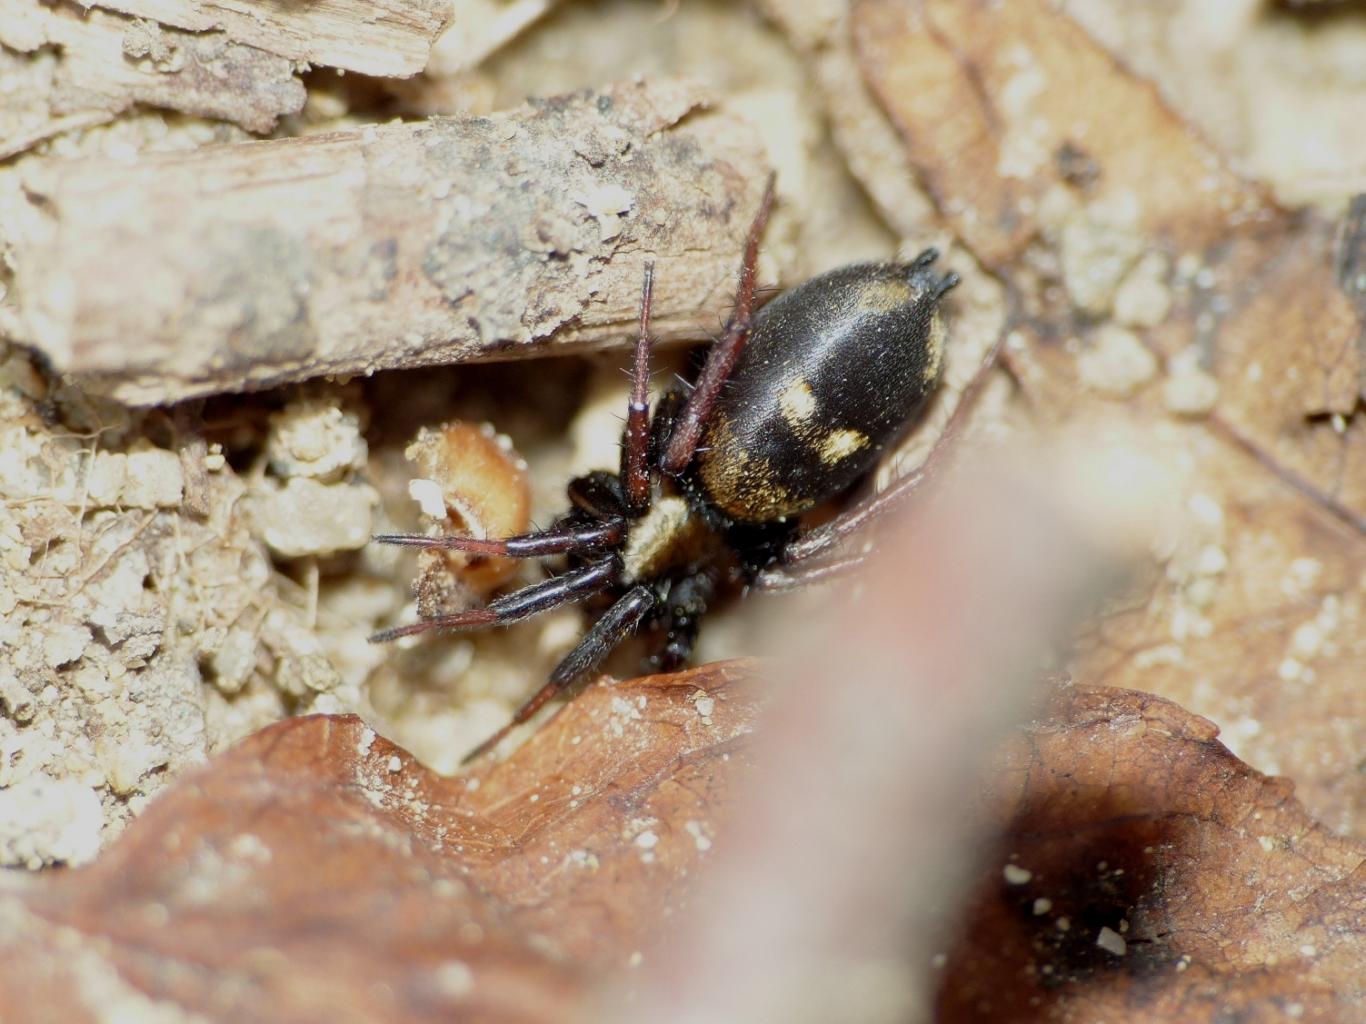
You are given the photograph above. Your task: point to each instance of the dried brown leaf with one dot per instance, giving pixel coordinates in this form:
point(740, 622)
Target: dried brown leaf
point(1000, 105)
point(318, 872)
point(104, 63)
point(1222, 898)
point(1009, 114)
point(1139, 267)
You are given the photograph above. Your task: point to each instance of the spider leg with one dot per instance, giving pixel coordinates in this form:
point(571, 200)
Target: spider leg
point(635, 446)
point(777, 579)
point(616, 624)
point(520, 604)
point(555, 541)
point(683, 610)
point(721, 359)
point(817, 542)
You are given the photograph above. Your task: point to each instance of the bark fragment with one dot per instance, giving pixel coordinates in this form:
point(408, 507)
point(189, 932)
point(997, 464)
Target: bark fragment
point(103, 63)
point(402, 245)
point(391, 37)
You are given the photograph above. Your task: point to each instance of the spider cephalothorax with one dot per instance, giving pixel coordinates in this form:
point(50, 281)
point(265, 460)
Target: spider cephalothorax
point(794, 405)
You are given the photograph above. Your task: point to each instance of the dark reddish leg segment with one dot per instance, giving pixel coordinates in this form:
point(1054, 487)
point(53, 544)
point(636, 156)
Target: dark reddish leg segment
point(687, 430)
point(526, 545)
point(520, 604)
point(635, 449)
point(473, 618)
point(616, 624)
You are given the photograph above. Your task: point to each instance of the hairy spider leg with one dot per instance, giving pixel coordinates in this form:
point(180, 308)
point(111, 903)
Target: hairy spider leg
point(573, 585)
point(687, 430)
point(592, 494)
point(554, 541)
point(635, 445)
point(778, 579)
point(615, 625)
point(811, 545)
point(595, 495)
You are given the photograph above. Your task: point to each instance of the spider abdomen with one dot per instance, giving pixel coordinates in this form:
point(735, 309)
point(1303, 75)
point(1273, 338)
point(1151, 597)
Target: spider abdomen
point(833, 370)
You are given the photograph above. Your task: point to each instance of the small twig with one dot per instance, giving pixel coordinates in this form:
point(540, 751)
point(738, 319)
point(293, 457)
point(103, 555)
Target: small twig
point(1223, 428)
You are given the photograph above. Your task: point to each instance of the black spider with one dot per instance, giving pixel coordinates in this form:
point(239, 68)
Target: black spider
point(711, 488)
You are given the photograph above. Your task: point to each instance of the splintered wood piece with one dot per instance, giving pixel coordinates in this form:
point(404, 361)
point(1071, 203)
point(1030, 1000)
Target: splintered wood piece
point(391, 37)
point(395, 246)
point(104, 63)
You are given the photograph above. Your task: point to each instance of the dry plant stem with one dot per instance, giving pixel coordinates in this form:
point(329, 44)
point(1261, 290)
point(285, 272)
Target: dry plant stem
point(855, 829)
point(410, 244)
point(1227, 430)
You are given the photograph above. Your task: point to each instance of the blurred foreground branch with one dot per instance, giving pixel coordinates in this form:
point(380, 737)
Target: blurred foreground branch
point(852, 842)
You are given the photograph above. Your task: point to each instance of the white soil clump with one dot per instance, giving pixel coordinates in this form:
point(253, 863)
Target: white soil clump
point(143, 625)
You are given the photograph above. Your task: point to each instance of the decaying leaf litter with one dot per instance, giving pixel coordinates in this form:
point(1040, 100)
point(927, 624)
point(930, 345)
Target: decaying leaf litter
point(1137, 277)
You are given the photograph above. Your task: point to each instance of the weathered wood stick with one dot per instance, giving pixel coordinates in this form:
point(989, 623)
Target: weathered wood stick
point(388, 37)
point(401, 245)
point(99, 64)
